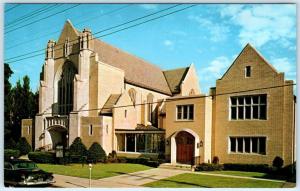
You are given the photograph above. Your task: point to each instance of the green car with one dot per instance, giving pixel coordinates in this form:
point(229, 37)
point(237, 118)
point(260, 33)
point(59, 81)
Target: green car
point(18, 172)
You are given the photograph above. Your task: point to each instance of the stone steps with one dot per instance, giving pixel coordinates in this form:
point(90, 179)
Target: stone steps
point(176, 166)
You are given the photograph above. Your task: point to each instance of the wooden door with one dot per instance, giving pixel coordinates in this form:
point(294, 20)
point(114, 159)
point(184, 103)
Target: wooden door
point(185, 144)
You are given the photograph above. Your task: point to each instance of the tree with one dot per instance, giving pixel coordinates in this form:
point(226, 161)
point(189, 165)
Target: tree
point(78, 148)
point(23, 146)
point(7, 100)
point(277, 162)
point(96, 153)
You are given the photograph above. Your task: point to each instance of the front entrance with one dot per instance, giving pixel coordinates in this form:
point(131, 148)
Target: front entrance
point(185, 144)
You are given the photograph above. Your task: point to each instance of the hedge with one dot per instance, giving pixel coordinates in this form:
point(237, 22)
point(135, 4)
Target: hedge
point(247, 167)
point(42, 157)
point(77, 148)
point(8, 153)
point(141, 160)
point(208, 167)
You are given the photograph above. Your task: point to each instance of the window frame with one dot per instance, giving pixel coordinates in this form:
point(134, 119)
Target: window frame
point(188, 112)
point(244, 152)
point(248, 68)
point(251, 105)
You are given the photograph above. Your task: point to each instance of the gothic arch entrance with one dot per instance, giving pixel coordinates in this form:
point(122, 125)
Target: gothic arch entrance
point(185, 145)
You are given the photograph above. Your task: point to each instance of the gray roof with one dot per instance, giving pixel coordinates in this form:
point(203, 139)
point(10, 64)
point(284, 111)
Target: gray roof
point(175, 78)
point(111, 101)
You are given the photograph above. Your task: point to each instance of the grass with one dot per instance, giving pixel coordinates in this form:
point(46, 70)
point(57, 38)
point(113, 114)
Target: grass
point(98, 171)
point(189, 180)
point(240, 173)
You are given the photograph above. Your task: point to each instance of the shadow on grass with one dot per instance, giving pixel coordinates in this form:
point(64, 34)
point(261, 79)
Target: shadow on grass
point(139, 175)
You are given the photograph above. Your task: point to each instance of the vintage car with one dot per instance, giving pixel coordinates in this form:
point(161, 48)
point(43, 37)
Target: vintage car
point(18, 172)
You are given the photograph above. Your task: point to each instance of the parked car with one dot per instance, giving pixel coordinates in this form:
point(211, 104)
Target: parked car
point(18, 172)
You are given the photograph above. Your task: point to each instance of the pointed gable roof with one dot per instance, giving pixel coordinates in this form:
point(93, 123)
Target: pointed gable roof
point(175, 78)
point(137, 71)
point(111, 101)
point(247, 47)
point(68, 31)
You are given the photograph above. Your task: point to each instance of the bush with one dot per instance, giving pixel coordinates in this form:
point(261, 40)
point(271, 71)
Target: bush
point(42, 157)
point(10, 144)
point(96, 153)
point(247, 167)
point(8, 153)
point(208, 167)
point(277, 162)
point(122, 159)
point(23, 146)
point(215, 160)
point(154, 164)
point(77, 148)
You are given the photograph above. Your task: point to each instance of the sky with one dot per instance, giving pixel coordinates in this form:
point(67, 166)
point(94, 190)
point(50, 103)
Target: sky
point(208, 35)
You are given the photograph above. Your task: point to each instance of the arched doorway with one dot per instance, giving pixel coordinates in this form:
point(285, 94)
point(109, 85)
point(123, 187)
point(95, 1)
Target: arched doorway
point(58, 136)
point(185, 147)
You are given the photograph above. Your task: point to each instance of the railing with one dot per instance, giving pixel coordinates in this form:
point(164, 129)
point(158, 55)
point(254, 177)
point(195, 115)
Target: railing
point(56, 120)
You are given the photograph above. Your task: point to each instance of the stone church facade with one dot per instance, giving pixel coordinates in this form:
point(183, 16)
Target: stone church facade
point(92, 90)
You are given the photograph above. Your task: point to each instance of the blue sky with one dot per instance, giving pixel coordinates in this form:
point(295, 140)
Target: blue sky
point(208, 35)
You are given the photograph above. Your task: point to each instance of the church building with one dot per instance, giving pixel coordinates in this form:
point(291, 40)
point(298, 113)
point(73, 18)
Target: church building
point(92, 90)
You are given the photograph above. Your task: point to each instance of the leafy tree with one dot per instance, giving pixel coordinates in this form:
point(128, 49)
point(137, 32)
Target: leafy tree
point(10, 144)
point(96, 153)
point(7, 100)
point(23, 146)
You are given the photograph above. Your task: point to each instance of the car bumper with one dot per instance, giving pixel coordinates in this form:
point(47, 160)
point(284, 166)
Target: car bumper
point(35, 183)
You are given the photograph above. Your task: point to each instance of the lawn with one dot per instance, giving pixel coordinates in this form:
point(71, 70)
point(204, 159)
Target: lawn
point(240, 173)
point(98, 171)
point(189, 180)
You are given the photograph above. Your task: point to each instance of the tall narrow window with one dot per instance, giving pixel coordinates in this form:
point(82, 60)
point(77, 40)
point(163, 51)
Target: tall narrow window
point(132, 95)
point(125, 113)
point(28, 130)
point(248, 71)
point(91, 130)
point(150, 106)
point(65, 89)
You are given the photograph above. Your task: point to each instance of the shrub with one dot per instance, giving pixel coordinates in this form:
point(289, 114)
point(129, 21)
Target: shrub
point(77, 148)
point(23, 146)
point(8, 153)
point(154, 164)
point(122, 159)
point(208, 167)
point(10, 144)
point(277, 162)
point(247, 167)
point(42, 157)
point(96, 153)
point(215, 160)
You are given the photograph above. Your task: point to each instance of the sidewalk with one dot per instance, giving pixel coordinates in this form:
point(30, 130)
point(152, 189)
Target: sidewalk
point(136, 179)
point(131, 180)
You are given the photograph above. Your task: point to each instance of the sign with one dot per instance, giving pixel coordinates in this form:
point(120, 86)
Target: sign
point(59, 151)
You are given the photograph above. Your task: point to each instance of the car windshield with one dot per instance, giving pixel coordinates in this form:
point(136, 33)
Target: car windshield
point(27, 165)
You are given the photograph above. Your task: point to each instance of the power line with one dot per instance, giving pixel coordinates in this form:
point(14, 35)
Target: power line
point(57, 31)
point(35, 13)
point(9, 9)
point(139, 18)
point(181, 98)
point(41, 19)
point(103, 31)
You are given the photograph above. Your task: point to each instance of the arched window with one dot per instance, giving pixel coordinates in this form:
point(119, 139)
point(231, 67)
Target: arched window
point(150, 106)
point(65, 89)
point(132, 95)
point(192, 92)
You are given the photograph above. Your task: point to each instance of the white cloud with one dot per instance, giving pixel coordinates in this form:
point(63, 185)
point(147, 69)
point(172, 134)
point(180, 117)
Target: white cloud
point(260, 24)
point(149, 6)
point(168, 43)
point(216, 68)
point(283, 65)
point(218, 31)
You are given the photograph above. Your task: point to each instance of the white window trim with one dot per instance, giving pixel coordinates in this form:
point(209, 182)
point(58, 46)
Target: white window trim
point(188, 112)
point(251, 105)
point(246, 72)
point(250, 153)
point(91, 130)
